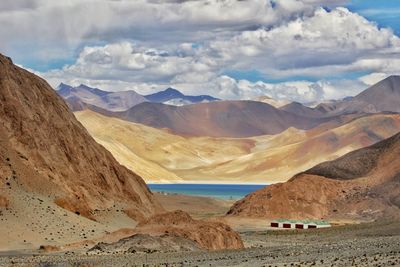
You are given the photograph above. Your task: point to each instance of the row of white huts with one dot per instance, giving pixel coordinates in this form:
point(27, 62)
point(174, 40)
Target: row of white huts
point(299, 224)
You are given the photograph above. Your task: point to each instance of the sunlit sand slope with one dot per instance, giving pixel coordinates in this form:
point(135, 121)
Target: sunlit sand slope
point(264, 159)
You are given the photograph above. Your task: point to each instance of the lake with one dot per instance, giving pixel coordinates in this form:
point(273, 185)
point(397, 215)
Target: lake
point(222, 191)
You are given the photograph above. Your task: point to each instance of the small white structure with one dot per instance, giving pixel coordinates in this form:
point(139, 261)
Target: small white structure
point(299, 224)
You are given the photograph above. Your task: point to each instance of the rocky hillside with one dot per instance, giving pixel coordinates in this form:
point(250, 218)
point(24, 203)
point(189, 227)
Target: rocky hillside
point(362, 185)
point(49, 152)
point(208, 235)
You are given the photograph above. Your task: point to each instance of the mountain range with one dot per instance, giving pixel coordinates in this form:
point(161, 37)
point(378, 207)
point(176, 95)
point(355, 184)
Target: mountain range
point(83, 96)
point(166, 157)
point(218, 119)
point(241, 118)
point(237, 141)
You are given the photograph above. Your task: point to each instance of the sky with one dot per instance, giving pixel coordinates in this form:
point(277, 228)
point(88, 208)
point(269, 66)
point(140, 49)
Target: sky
point(298, 50)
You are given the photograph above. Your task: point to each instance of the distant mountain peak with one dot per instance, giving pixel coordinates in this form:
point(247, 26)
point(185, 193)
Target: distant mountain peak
point(393, 82)
point(63, 86)
point(112, 101)
point(397, 77)
point(170, 89)
point(64, 90)
point(85, 86)
point(170, 94)
point(390, 82)
point(173, 91)
point(387, 90)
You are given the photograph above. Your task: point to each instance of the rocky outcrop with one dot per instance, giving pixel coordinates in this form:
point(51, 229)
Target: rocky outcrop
point(208, 235)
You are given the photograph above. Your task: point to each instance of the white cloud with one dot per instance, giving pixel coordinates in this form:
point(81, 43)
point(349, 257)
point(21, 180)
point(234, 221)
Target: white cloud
point(299, 91)
point(328, 42)
point(148, 45)
point(128, 62)
point(68, 24)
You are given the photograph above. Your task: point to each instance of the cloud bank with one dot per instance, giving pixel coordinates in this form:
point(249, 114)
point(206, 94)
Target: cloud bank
point(316, 50)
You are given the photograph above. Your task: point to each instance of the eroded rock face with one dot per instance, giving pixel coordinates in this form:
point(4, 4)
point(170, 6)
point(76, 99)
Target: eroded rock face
point(208, 235)
point(51, 153)
point(362, 185)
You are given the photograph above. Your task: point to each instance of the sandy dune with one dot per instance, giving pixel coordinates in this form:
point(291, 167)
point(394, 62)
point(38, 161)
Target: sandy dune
point(263, 159)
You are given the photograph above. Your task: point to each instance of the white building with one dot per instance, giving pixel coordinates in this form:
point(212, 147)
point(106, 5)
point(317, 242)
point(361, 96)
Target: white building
point(299, 224)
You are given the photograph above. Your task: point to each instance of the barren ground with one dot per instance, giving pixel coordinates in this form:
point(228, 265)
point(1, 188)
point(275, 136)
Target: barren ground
point(376, 244)
point(371, 244)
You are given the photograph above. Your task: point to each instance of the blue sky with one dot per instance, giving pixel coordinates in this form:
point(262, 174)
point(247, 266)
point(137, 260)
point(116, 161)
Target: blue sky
point(287, 49)
point(386, 13)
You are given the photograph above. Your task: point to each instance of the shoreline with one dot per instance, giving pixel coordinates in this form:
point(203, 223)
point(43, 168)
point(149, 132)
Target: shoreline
point(228, 192)
point(204, 183)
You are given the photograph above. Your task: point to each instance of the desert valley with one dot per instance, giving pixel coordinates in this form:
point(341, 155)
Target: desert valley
point(255, 134)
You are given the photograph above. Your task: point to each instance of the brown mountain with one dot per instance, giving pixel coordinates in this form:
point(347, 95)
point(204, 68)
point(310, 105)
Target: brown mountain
point(300, 109)
point(50, 152)
point(218, 119)
point(362, 185)
point(383, 96)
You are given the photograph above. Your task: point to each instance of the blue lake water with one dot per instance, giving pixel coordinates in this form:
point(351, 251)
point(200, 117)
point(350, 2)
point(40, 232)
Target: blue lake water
point(223, 191)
